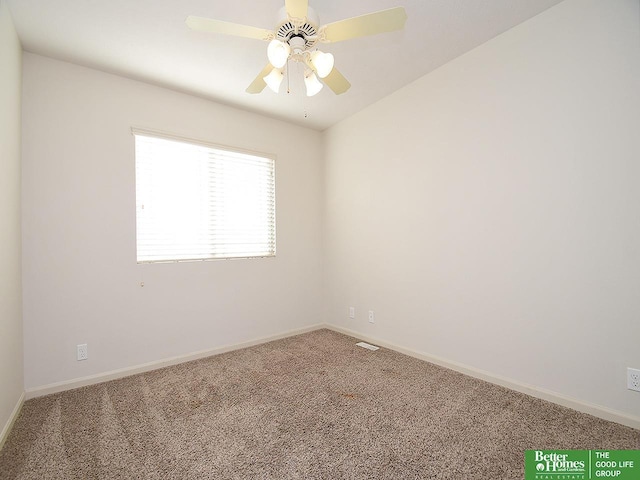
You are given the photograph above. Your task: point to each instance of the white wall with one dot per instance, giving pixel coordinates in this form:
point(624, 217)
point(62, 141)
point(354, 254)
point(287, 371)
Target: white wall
point(11, 384)
point(489, 213)
point(81, 280)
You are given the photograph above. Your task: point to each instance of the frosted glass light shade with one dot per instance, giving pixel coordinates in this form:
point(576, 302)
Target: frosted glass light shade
point(322, 62)
point(278, 52)
point(312, 83)
point(274, 79)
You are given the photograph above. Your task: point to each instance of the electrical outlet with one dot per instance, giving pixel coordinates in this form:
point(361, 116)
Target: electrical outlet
point(633, 379)
point(83, 352)
point(352, 312)
point(372, 318)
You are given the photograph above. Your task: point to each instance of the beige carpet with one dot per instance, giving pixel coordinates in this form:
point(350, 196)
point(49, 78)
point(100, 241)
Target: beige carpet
point(313, 406)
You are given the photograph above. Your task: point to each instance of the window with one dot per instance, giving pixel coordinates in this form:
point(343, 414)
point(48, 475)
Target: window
point(197, 202)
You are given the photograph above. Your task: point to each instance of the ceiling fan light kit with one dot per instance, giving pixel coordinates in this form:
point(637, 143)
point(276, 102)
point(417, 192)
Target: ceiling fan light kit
point(312, 83)
point(274, 79)
point(278, 52)
point(297, 32)
point(322, 63)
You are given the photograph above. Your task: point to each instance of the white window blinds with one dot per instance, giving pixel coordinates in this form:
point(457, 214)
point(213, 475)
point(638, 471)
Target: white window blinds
point(198, 202)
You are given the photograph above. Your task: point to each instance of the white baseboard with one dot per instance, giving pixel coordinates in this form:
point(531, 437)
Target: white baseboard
point(146, 367)
point(554, 397)
point(12, 418)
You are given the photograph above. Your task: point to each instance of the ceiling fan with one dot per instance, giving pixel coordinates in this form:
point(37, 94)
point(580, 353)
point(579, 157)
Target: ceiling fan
point(295, 36)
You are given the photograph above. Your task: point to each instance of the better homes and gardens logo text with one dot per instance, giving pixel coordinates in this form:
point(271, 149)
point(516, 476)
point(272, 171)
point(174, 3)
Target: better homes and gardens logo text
point(555, 462)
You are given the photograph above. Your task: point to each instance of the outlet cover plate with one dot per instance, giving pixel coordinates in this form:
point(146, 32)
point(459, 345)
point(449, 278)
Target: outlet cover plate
point(83, 352)
point(352, 312)
point(372, 318)
point(633, 379)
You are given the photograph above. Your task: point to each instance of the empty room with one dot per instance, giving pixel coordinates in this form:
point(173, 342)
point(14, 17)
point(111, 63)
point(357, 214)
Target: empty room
point(282, 239)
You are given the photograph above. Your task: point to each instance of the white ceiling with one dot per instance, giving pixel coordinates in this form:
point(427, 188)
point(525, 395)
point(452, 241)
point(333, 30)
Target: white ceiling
point(148, 40)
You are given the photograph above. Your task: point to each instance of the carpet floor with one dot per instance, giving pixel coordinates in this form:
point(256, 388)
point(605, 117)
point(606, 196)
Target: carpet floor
point(313, 406)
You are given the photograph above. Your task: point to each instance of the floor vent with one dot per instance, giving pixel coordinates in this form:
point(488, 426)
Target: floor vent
point(366, 345)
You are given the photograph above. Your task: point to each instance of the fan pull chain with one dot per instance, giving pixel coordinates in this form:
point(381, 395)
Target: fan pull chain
point(288, 85)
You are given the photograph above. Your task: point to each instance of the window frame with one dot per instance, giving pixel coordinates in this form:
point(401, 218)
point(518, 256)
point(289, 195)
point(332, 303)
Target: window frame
point(144, 132)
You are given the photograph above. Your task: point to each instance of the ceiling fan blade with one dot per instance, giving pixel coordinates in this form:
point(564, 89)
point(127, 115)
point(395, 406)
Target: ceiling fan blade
point(369, 24)
point(296, 8)
point(258, 84)
point(218, 26)
point(336, 82)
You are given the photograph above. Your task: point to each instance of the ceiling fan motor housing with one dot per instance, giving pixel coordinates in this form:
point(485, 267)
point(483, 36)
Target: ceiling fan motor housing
point(290, 29)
